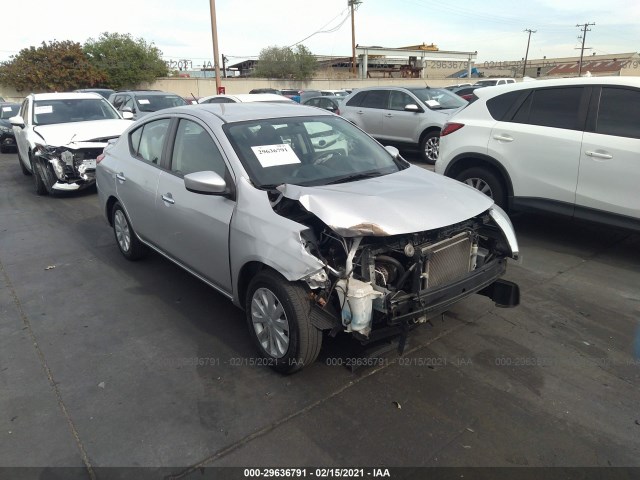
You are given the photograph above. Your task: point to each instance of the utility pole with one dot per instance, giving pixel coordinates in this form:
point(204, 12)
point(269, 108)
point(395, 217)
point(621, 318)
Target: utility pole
point(214, 34)
point(585, 29)
point(353, 4)
point(526, 55)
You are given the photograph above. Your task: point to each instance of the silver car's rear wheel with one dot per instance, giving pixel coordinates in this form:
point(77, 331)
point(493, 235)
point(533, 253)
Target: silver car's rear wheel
point(430, 146)
point(270, 322)
point(121, 228)
point(126, 238)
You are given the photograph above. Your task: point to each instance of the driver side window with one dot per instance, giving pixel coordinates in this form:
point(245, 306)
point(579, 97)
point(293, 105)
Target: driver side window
point(195, 151)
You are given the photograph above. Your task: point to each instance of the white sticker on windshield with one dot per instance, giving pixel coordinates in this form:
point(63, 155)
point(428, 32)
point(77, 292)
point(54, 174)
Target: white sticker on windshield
point(43, 109)
point(432, 103)
point(274, 155)
point(6, 109)
point(143, 101)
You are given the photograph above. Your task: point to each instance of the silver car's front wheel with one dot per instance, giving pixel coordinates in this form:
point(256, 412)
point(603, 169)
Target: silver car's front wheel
point(270, 322)
point(279, 318)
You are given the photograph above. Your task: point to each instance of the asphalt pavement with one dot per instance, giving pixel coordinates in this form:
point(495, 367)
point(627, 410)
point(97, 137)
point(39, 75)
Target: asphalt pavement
point(106, 362)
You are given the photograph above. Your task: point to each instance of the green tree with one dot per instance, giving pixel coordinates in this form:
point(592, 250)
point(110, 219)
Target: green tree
point(283, 62)
point(54, 66)
point(126, 61)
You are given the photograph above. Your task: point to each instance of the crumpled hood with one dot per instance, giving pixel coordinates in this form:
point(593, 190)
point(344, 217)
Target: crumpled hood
point(412, 200)
point(62, 134)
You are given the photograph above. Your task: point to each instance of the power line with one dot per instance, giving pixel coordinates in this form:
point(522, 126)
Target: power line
point(320, 30)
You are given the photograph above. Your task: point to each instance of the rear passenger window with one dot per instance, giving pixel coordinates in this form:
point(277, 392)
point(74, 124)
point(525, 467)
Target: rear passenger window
point(375, 99)
point(356, 100)
point(147, 141)
point(552, 107)
point(499, 106)
point(619, 113)
point(195, 151)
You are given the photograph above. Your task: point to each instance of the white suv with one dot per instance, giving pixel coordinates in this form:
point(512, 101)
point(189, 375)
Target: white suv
point(567, 146)
point(403, 117)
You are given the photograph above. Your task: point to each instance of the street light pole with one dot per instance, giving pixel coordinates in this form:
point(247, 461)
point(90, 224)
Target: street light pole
point(214, 34)
point(526, 55)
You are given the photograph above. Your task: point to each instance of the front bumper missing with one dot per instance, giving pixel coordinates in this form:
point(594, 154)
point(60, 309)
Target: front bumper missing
point(407, 308)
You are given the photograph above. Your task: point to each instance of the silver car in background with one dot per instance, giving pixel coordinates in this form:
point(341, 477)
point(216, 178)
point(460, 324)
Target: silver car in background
point(304, 221)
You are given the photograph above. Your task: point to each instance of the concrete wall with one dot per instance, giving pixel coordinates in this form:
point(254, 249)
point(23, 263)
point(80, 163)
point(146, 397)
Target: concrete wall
point(202, 87)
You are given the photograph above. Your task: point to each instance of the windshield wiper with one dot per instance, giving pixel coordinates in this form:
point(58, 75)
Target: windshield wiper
point(354, 177)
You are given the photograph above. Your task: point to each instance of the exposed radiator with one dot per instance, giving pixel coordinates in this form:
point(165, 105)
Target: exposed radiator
point(447, 261)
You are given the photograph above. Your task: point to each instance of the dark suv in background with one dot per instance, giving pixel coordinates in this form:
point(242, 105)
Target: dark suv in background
point(142, 102)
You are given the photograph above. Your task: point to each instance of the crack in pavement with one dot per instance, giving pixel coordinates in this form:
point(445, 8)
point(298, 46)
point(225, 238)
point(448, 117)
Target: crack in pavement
point(43, 363)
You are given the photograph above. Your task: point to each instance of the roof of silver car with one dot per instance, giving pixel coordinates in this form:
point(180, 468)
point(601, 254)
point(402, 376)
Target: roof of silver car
point(240, 112)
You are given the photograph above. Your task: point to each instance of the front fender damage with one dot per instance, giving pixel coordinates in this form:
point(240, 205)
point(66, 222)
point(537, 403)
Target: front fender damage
point(70, 167)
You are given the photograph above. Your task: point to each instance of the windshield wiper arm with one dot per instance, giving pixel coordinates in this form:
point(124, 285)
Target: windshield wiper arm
point(354, 177)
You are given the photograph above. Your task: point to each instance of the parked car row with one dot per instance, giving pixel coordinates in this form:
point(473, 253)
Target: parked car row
point(294, 213)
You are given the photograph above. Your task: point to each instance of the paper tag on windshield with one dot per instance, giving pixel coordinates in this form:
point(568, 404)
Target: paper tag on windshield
point(6, 109)
point(43, 109)
point(143, 101)
point(274, 155)
point(432, 103)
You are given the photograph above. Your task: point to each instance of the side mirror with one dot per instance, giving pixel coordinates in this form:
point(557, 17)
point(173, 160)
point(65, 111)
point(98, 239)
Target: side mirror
point(395, 153)
point(207, 183)
point(412, 107)
point(17, 121)
point(127, 115)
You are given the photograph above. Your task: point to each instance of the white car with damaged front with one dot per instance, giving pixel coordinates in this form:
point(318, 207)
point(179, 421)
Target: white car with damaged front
point(305, 235)
point(60, 135)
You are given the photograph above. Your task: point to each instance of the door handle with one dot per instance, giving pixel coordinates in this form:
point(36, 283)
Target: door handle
point(120, 176)
point(168, 199)
point(503, 138)
point(360, 112)
point(389, 115)
point(603, 156)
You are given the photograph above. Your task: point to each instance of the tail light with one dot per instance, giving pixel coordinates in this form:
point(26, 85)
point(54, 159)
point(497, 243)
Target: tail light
point(99, 158)
point(450, 128)
point(337, 112)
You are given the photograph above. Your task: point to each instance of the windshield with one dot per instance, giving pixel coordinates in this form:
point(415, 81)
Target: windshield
point(308, 151)
point(9, 111)
point(153, 103)
point(49, 112)
point(444, 97)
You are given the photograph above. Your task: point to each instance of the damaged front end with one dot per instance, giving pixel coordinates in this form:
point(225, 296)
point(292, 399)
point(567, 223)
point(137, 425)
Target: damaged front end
point(70, 167)
point(376, 284)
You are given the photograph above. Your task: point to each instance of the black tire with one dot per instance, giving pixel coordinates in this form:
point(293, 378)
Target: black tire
point(41, 187)
point(430, 147)
point(304, 340)
point(485, 181)
point(24, 169)
point(126, 238)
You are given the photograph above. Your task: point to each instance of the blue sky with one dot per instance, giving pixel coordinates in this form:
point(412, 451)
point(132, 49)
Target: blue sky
point(181, 29)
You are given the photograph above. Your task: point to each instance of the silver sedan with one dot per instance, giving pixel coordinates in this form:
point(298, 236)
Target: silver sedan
point(302, 220)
